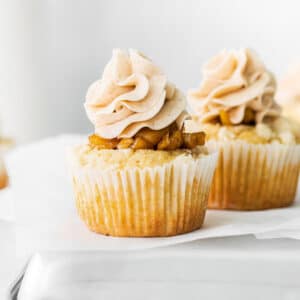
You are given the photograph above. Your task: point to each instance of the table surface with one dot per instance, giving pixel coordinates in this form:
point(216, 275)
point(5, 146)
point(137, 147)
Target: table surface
point(8, 261)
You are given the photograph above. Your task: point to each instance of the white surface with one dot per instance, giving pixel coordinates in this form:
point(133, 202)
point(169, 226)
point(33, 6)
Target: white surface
point(8, 261)
point(228, 268)
point(6, 204)
point(47, 219)
point(52, 50)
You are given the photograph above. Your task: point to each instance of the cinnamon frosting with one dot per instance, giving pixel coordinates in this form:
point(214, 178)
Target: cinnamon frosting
point(132, 94)
point(289, 86)
point(233, 81)
point(288, 93)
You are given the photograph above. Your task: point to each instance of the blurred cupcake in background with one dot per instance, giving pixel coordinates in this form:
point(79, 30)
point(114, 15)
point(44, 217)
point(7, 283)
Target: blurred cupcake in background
point(288, 93)
point(5, 145)
point(140, 174)
point(3, 174)
point(259, 159)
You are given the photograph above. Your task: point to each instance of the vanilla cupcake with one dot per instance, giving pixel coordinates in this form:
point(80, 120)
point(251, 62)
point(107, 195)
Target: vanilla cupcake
point(3, 174)
point(5, 145)
point(140, 174)
point(259, 158)
point(288, 93)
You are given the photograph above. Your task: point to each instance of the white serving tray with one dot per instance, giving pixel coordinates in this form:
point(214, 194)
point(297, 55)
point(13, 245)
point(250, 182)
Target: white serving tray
point(225, 268)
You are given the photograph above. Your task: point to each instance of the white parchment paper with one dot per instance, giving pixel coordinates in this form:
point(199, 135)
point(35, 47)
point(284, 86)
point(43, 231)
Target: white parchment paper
point(46, 218)
point(6, 204)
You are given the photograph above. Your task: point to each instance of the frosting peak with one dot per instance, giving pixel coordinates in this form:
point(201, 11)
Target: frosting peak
point(234, 81)
point(132, 94)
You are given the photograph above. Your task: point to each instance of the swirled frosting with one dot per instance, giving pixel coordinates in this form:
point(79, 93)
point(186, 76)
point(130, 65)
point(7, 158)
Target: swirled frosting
point(233, 81)
point(289, 86)
point(132, 94)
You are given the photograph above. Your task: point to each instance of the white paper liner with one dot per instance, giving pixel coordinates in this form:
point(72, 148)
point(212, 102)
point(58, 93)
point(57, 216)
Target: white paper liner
point(158, 201)
point(251, 177)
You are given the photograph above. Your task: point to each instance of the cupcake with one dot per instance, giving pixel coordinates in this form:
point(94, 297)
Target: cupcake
point(289, 93)
point(5, 145)
point(140, 174)
point(259, 157)
point(3, 174)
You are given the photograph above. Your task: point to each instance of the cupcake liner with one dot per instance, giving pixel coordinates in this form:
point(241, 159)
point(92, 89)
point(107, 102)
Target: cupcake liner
point(254, 177)
point(159, 201)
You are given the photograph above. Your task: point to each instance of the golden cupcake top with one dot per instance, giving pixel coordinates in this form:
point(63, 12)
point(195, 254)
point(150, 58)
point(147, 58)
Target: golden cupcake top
point(279, 131)
point(236, 89)
point(134, 106)
point(85, 156)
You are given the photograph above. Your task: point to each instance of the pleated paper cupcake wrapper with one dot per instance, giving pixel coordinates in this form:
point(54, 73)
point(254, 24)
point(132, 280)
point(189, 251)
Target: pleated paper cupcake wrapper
point(254, 177)
point(158, 201)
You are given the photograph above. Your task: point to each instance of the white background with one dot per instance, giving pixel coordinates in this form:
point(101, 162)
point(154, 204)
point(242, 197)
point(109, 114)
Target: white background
point(51, 50)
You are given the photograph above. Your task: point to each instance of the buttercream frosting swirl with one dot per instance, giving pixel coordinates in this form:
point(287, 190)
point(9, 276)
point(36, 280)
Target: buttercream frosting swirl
point(289, 86)
point(132, 94)
point(233, 81)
